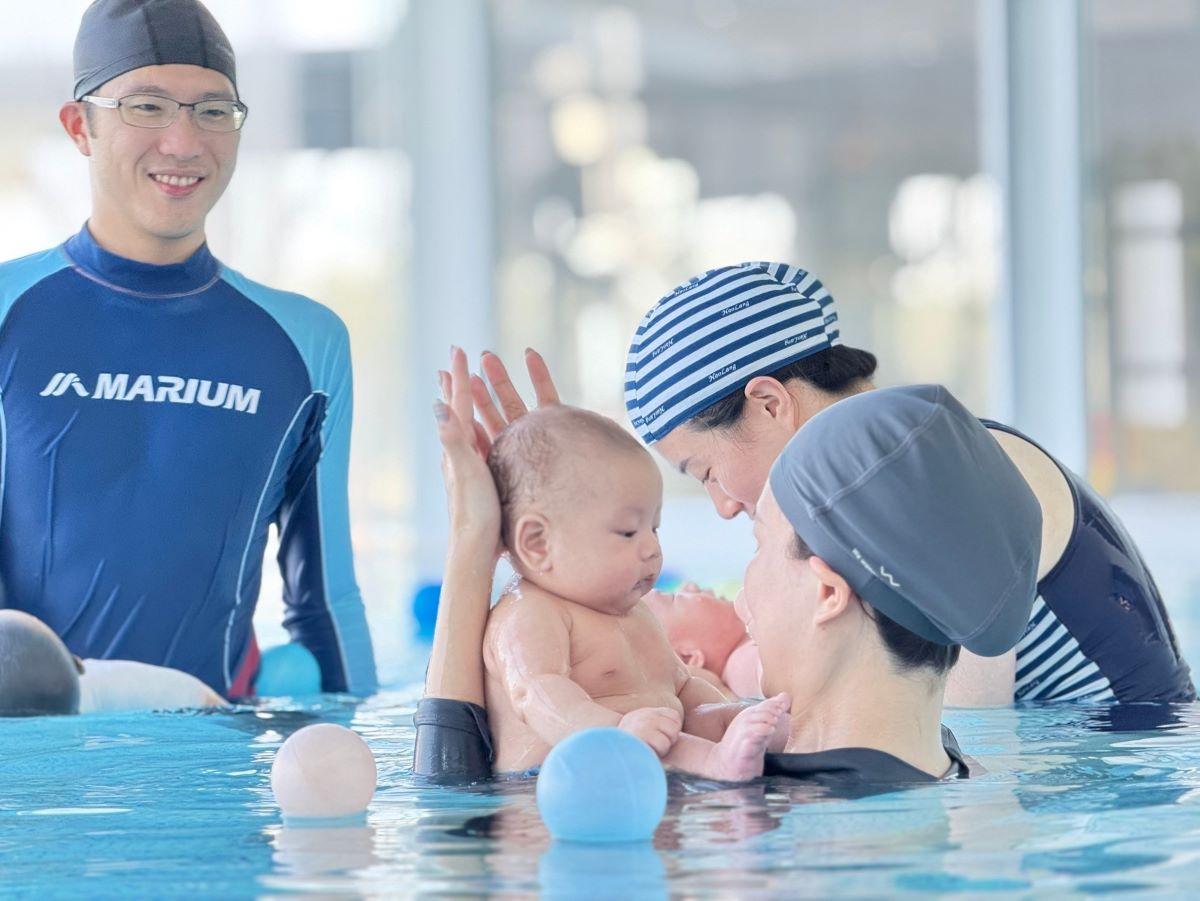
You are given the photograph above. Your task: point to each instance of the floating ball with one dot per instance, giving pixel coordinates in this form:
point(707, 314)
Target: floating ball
point(288, 669)
point(425, 608)
point(323, 771)
point(602, 785)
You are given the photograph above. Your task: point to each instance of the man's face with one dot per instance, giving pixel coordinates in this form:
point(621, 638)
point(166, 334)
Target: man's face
point(153, 187)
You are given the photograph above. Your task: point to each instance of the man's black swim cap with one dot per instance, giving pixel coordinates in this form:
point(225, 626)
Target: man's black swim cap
point(117, 36)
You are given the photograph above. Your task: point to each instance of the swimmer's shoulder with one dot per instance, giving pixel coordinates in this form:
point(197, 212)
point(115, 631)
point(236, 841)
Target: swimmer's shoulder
point(1050, 486)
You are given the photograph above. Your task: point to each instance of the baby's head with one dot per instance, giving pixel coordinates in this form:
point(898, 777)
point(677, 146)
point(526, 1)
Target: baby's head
point(580, 502)
point(38, 675)
point(702, 628)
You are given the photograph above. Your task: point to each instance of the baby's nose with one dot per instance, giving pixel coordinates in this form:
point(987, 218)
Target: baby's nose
point(651, 548)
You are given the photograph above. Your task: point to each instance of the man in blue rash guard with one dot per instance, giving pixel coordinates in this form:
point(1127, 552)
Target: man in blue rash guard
point(158, 411)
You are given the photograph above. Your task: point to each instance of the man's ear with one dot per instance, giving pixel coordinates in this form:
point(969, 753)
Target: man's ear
point(834, 593)
point(531, 543)
point(74, 122)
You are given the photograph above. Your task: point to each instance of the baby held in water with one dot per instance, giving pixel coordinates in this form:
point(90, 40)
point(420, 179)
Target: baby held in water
point(571, 645)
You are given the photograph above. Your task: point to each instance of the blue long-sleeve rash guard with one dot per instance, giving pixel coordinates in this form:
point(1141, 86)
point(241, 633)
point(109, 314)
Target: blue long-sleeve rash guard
point(154, 421)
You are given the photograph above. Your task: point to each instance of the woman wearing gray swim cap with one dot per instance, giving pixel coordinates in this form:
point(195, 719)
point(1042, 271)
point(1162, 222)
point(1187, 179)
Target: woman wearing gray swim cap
point(726, 367)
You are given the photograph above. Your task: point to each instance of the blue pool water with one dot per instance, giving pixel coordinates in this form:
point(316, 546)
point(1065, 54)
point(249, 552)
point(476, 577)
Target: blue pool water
point(174, 805)
point(1074, 799)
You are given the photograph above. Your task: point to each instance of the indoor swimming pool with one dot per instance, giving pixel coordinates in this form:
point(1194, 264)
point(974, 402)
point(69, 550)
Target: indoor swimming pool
point(1073, 798)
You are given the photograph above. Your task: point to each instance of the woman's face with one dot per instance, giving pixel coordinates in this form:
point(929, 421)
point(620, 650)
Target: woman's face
point(731, 464)
point(777, 603)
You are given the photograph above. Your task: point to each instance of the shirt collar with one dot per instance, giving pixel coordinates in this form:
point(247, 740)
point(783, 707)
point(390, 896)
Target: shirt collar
point(193, 275)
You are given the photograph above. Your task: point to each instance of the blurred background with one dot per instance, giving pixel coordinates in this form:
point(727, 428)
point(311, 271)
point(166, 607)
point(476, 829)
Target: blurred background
point(1002, 196)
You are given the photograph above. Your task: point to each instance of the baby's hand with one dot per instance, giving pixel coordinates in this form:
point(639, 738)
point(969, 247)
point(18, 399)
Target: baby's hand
point(659, 727)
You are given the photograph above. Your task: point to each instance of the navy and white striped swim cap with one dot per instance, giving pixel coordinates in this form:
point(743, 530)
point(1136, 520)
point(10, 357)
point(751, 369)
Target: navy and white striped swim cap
point(711, 335)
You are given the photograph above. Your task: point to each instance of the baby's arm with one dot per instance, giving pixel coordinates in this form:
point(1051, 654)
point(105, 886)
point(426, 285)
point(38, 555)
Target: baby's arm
point(706, 712)
point(528, 648)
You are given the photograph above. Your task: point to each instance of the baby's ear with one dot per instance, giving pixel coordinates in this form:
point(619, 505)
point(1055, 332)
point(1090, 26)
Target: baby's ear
point(531, 542)
point(692, 656)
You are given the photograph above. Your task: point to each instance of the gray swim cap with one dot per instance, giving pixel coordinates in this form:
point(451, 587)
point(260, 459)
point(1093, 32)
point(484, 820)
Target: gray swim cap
point(910, 499)
point(117, 36)
point(37, 673)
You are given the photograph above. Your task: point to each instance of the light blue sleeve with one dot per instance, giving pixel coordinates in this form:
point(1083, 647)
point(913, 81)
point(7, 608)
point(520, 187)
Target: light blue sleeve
point(17, 277)
point(319, 520)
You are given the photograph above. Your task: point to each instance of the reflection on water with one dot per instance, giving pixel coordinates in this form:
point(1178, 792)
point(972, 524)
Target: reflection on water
point(1072, 798)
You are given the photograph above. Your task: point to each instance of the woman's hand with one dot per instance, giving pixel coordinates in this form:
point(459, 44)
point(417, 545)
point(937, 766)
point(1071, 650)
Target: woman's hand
point(471, 497)
point(511, 406)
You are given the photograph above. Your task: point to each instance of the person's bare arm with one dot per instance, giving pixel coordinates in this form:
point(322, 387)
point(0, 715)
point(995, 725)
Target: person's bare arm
point(511, 406)
point(706, 712)
point(982, 681)
point(456, 661)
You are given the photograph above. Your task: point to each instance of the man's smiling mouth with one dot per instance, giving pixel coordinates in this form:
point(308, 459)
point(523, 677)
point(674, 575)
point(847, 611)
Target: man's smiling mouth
point(177, 181)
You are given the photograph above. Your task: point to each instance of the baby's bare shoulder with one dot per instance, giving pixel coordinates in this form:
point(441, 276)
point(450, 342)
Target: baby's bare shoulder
point(525, 604)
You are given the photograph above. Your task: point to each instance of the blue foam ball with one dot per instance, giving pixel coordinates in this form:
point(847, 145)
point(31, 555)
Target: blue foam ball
point(602, 785)
point(288, 669)
point(425, 607)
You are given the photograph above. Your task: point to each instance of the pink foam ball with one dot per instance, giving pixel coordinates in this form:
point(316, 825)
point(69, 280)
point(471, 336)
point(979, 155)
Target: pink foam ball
point(323, 771)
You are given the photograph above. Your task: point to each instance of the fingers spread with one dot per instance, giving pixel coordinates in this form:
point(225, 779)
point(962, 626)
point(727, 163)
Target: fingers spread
point(493, 422)
point(506, 393)
point(460, 385)
point(539, 375)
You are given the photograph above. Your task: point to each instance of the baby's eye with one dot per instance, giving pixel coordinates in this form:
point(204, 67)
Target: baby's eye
point(626, 534)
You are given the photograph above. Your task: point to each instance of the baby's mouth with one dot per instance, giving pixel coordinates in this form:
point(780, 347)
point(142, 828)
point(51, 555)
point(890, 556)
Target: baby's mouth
point(644, 585)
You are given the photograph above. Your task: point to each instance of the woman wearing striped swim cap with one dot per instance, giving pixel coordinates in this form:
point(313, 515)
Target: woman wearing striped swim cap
point(728, 365)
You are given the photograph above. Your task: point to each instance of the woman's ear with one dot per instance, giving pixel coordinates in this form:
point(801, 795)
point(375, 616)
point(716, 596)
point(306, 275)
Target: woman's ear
point(768, 398)
point(531, 543)
point(833, 592)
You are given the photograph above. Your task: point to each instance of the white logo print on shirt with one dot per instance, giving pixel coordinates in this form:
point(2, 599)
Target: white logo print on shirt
point(156, 390)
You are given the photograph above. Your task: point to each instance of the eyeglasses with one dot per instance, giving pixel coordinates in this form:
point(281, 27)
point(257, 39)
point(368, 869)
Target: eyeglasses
point(154, 111)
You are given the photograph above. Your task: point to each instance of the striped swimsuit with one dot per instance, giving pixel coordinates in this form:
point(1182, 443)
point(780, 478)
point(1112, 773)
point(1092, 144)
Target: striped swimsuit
point(1098, 630)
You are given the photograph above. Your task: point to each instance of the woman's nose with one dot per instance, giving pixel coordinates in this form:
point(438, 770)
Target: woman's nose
point(727, 507)
point(739, 607)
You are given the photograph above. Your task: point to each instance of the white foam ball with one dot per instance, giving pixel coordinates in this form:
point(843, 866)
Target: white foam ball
point(323, 770)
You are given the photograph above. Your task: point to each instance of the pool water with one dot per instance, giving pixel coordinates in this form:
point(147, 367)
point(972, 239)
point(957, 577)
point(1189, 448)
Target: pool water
point(1074, 798)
